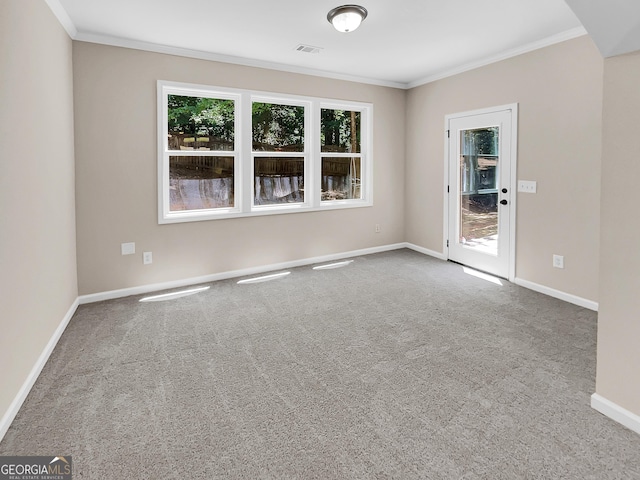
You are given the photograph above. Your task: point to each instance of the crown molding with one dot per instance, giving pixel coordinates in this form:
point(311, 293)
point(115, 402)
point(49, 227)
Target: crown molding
point(514, 52)
point(63, 17)
point(216, 57)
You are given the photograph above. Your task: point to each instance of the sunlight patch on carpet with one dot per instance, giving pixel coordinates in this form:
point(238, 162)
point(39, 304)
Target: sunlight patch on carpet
point(265, 278)
point(170, 296)
point(333, 265)
point(481, 275)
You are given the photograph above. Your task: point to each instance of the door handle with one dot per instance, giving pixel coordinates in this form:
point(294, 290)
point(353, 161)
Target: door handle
point(503, 202)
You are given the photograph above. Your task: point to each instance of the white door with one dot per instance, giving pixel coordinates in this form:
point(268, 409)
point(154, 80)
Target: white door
point(481, 213)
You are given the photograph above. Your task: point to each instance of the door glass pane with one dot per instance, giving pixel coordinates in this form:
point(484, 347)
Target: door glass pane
point(479, 189)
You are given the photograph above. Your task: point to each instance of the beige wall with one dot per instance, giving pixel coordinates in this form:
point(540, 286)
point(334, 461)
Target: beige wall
point(38, 281)
point(618, 371)
point(115, 108)
point(559, 92)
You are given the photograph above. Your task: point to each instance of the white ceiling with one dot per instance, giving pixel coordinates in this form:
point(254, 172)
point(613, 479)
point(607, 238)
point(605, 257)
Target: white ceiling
point(614, 25)
point(402, 43)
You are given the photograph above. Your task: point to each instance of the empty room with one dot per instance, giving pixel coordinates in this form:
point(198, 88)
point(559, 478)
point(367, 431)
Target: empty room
point(313, 240)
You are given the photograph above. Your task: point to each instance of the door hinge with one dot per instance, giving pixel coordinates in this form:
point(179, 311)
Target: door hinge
point(448, 133)
point(447, 188)
point(447, 243)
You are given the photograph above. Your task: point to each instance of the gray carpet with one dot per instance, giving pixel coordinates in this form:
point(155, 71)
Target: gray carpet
point(396, 366)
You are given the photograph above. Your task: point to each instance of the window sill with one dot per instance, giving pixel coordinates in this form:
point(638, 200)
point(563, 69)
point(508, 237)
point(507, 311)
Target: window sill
point(222, 214)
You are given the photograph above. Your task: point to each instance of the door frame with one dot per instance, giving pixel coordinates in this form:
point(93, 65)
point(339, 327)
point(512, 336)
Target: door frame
point(513, 179)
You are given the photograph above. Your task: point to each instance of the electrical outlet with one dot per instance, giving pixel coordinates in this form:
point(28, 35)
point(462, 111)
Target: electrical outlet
point(128, 248)
point(526, 186)
point(147, 258)
point(377, 228)
point(558, 261)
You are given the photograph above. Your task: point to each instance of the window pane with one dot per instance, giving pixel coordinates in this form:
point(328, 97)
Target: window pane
point(340, 131)
point(341, 178)
point(277, 128)
point(200, 182)
point(198, 123)
point(278, 180)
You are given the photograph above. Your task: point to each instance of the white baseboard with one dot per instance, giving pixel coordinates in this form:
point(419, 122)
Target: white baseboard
point(616, 412)
point(426, 251)
point(19, 399)
point(601, 404)
point(126, 292)
point(567, 297)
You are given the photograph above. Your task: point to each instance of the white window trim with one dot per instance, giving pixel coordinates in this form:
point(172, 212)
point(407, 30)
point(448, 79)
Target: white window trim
point(244, 155)
point(365, 155)
point(305, 154)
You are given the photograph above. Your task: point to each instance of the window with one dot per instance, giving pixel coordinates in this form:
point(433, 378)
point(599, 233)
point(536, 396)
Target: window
point(227, 153)
point(340, 140)
point(278, 150)
point(199, 151)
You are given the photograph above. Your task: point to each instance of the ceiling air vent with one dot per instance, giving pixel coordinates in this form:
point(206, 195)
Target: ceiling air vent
point(308, 49)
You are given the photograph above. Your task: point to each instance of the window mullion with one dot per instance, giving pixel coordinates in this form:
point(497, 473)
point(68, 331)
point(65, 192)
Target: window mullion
point(367, 157)
point(246, 154)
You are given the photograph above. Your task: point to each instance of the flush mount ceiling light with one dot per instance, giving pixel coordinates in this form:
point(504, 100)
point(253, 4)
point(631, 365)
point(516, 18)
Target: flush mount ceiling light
point(347, 17)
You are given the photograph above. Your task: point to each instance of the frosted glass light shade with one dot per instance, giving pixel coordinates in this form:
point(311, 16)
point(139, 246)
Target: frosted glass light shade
point(347, 17)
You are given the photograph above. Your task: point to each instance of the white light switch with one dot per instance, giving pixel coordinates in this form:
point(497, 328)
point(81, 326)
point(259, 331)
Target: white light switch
point(527, 186)
point(128, 248)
